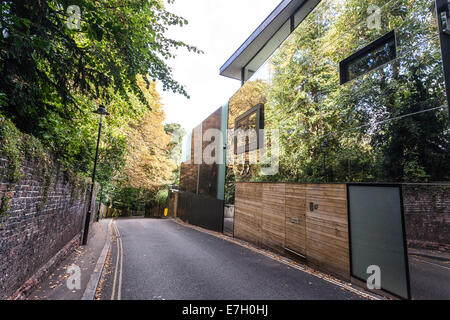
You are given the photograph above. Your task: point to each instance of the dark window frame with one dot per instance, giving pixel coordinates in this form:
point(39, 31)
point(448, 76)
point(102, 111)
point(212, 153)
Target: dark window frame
point(383, 40)
point(259, 111)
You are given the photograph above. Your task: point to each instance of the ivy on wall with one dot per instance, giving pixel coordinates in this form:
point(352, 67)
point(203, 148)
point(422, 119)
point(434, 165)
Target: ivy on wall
point(17, 147)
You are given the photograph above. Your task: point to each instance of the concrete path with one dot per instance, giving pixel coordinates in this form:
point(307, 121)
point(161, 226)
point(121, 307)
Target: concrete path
point(162, 260)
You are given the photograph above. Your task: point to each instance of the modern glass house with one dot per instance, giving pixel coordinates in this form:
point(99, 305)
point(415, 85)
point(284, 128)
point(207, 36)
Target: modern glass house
point(357, 90)
point(351, 92)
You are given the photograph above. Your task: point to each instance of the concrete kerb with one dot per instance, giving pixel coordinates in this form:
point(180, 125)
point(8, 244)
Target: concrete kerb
point(91, 288)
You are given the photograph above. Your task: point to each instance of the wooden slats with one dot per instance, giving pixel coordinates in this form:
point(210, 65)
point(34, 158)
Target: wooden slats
point(277, 216)
point(273, 216)
point(296, 218)
point(248, 212)
point(327, 228)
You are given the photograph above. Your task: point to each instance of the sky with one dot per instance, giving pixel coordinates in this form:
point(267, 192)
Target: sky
point(218, 27)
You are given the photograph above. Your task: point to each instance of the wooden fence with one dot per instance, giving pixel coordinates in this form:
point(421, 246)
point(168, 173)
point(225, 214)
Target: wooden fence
point(308, 219)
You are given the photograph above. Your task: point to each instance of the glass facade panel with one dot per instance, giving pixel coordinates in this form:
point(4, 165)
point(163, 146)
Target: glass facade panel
point(389, 123)
point(257, 68)
point(252, 121)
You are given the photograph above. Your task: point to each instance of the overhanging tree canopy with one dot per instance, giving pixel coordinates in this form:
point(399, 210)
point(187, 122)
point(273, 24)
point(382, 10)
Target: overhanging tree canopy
point(52, 76)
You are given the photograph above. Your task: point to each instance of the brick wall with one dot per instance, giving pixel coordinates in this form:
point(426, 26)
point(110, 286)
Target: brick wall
point(427, 217)
point(33, 231)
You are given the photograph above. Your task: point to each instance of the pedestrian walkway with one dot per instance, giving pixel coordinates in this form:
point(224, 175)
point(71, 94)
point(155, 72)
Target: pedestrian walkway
point(82, 262)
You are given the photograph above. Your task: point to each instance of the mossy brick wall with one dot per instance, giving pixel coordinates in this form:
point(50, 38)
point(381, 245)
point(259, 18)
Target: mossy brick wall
point(427, 217)
point(45, 211)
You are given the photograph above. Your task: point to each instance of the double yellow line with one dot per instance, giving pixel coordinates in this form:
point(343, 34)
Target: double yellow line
point(119, 267)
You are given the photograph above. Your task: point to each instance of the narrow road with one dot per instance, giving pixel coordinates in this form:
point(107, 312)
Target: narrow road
point(428, 278)
point(162, 260)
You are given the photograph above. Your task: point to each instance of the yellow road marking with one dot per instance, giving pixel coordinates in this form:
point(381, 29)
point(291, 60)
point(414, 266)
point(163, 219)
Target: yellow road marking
point(119, 267)
point(119, 292)
point(117, 264)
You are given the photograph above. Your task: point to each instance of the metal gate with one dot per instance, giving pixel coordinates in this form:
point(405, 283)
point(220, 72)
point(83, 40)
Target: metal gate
point(202, 211)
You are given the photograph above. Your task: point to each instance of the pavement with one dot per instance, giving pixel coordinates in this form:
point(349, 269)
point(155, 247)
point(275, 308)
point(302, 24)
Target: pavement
point(154, 259)
point(86, 258)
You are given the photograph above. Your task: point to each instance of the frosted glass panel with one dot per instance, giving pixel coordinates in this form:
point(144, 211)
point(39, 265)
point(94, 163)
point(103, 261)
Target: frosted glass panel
point(377, 236)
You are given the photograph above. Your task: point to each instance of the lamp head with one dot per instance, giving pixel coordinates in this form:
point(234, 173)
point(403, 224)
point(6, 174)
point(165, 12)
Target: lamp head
point(102, 110)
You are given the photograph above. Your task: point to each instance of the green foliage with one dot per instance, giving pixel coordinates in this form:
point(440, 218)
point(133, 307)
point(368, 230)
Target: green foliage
point(44, 60)
point(177, 132)
point(229, 186)
point(52, 77)
point(47, 180)
point(372, 128)
point(153, 149)
point(3, 99)
point(128, 198)
point(15, 147)
point(390, 124)
point(11, 148)
point(161, 196)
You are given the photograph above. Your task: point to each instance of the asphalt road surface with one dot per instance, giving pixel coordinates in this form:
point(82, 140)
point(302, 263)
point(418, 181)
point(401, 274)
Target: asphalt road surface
point(162, 260)
point(430, 278)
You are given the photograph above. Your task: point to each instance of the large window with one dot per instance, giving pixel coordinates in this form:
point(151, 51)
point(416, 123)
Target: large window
point(369, 58)
point(247, 126)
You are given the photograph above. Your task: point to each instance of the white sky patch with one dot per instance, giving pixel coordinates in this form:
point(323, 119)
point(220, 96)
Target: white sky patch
point(217, 27)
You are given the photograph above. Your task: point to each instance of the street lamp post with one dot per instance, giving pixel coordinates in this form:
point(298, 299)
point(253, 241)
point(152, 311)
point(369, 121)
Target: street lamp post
point(102, 112)
point(97, 215)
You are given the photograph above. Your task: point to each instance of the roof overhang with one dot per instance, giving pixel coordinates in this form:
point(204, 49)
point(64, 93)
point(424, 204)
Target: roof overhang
point(267, 29)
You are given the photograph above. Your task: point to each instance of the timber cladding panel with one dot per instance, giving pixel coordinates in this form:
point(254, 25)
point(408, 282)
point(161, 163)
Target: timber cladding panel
point(279, 216)
point(273, 215)
point(248, 212)
point(295, 208)
point(327, 241)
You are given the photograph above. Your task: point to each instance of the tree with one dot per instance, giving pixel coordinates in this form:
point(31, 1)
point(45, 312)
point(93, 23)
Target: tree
point(148, 165)
point(177, 133)
point(52, 77)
